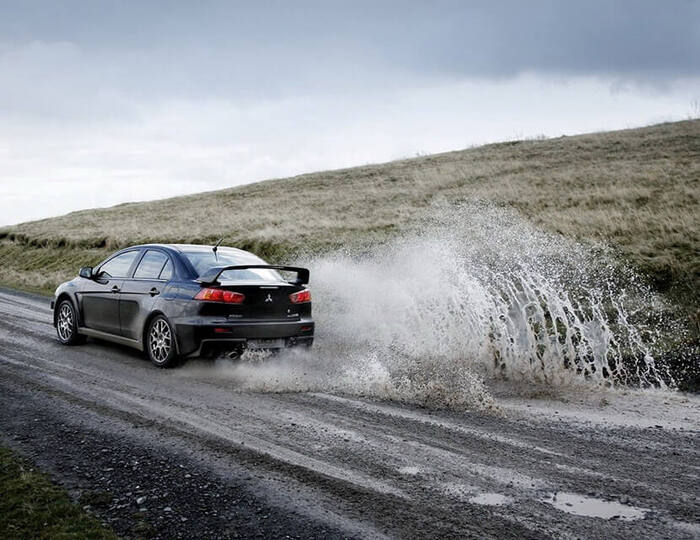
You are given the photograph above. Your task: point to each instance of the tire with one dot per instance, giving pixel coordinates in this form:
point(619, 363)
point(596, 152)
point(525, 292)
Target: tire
point(67, 324)
point(160, 342)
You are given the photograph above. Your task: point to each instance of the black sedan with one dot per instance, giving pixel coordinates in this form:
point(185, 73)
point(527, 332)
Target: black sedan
point(173, 301)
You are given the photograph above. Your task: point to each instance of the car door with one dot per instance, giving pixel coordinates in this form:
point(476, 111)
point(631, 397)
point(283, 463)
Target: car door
point(140, 292)
point(100, 296)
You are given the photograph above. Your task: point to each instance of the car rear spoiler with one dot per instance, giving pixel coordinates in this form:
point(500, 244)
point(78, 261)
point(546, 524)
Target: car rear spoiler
point(212, 276)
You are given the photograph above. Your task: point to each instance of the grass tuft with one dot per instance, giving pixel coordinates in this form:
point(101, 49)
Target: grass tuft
point(32, 507)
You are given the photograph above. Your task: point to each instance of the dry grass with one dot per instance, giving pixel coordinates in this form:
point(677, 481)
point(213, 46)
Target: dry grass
point(635, 189)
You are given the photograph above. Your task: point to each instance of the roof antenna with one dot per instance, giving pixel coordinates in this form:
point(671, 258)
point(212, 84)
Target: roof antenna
point(216, 247)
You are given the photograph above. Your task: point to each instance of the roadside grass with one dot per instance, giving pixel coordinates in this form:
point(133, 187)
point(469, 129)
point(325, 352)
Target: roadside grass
point(32, 507)
point(636, 190)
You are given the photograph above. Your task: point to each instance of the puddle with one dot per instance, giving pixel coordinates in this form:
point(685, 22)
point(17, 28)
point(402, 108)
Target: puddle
point(474, 495)
point(593, 507)
point(460, 491)
point(490, 499)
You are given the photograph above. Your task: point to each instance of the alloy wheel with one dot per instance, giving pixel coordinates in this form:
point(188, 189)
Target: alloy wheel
point(160, 341)
point(65, 322)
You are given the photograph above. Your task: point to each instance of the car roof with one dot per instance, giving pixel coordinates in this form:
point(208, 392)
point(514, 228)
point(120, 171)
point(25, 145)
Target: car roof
point(175, 249)
point(193, 247)
point(182, 248)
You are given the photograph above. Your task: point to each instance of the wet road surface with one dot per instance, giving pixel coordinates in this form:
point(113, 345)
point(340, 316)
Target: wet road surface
point(226, 462)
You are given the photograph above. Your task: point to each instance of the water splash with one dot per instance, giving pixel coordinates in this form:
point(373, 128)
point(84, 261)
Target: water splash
point(473, 294)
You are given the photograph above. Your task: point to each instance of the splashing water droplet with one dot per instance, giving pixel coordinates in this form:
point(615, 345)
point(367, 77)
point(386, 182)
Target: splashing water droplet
point(474, 294)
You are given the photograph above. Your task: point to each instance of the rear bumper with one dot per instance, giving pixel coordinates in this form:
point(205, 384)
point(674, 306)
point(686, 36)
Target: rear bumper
point(209, 347)
point(200, 337)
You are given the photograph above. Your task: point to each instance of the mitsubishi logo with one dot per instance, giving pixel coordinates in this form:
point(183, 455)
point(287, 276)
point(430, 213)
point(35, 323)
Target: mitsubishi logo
point(269, 298)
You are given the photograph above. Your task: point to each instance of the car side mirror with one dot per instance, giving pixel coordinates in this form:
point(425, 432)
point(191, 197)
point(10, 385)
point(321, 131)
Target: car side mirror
point(86, 272)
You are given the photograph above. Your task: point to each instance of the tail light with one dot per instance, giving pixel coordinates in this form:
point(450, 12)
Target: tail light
point(210, 294)
point(300, 297)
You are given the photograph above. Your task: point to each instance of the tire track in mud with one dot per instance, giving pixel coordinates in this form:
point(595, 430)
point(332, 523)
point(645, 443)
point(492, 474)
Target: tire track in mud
point(367, 467)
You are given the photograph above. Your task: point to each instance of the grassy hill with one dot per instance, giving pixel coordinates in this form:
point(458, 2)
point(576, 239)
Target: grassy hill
point(636, 189)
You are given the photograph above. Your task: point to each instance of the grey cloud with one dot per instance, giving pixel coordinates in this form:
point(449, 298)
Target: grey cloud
point(281, 48)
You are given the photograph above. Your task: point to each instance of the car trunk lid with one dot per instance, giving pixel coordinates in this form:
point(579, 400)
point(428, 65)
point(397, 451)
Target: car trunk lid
point(262, 302)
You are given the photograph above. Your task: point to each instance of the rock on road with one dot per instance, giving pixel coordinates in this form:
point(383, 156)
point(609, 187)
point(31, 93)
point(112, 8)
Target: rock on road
point(185, 453)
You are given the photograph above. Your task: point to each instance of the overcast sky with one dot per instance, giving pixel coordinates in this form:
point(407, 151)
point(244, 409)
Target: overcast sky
point(104, 102)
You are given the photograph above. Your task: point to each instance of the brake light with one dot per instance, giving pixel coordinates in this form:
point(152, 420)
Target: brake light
point(220, 295)
point(300, 297)
point(222, 330)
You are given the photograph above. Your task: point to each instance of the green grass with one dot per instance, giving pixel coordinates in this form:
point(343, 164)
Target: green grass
point(634, 189)
point(32, 507)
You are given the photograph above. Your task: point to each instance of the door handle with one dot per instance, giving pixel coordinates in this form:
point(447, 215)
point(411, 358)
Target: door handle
point(115, 289)
point(154, 291)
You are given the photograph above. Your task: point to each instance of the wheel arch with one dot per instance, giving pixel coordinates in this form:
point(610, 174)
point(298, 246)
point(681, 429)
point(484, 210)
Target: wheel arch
point(147, 322)
point(66, 296)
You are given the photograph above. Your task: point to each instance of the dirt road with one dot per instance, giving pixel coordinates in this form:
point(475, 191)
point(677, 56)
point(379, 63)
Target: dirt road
point(185, 453)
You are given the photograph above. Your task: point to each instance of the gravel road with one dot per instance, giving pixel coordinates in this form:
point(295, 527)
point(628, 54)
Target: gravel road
point(185, 453)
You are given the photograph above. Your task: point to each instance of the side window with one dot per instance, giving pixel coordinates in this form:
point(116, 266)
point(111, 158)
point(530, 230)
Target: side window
point(118, 267)
point(151, 265)
point(167, 272)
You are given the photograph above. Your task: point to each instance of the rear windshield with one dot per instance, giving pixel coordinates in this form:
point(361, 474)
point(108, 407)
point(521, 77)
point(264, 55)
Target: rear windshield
point(203, 261)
